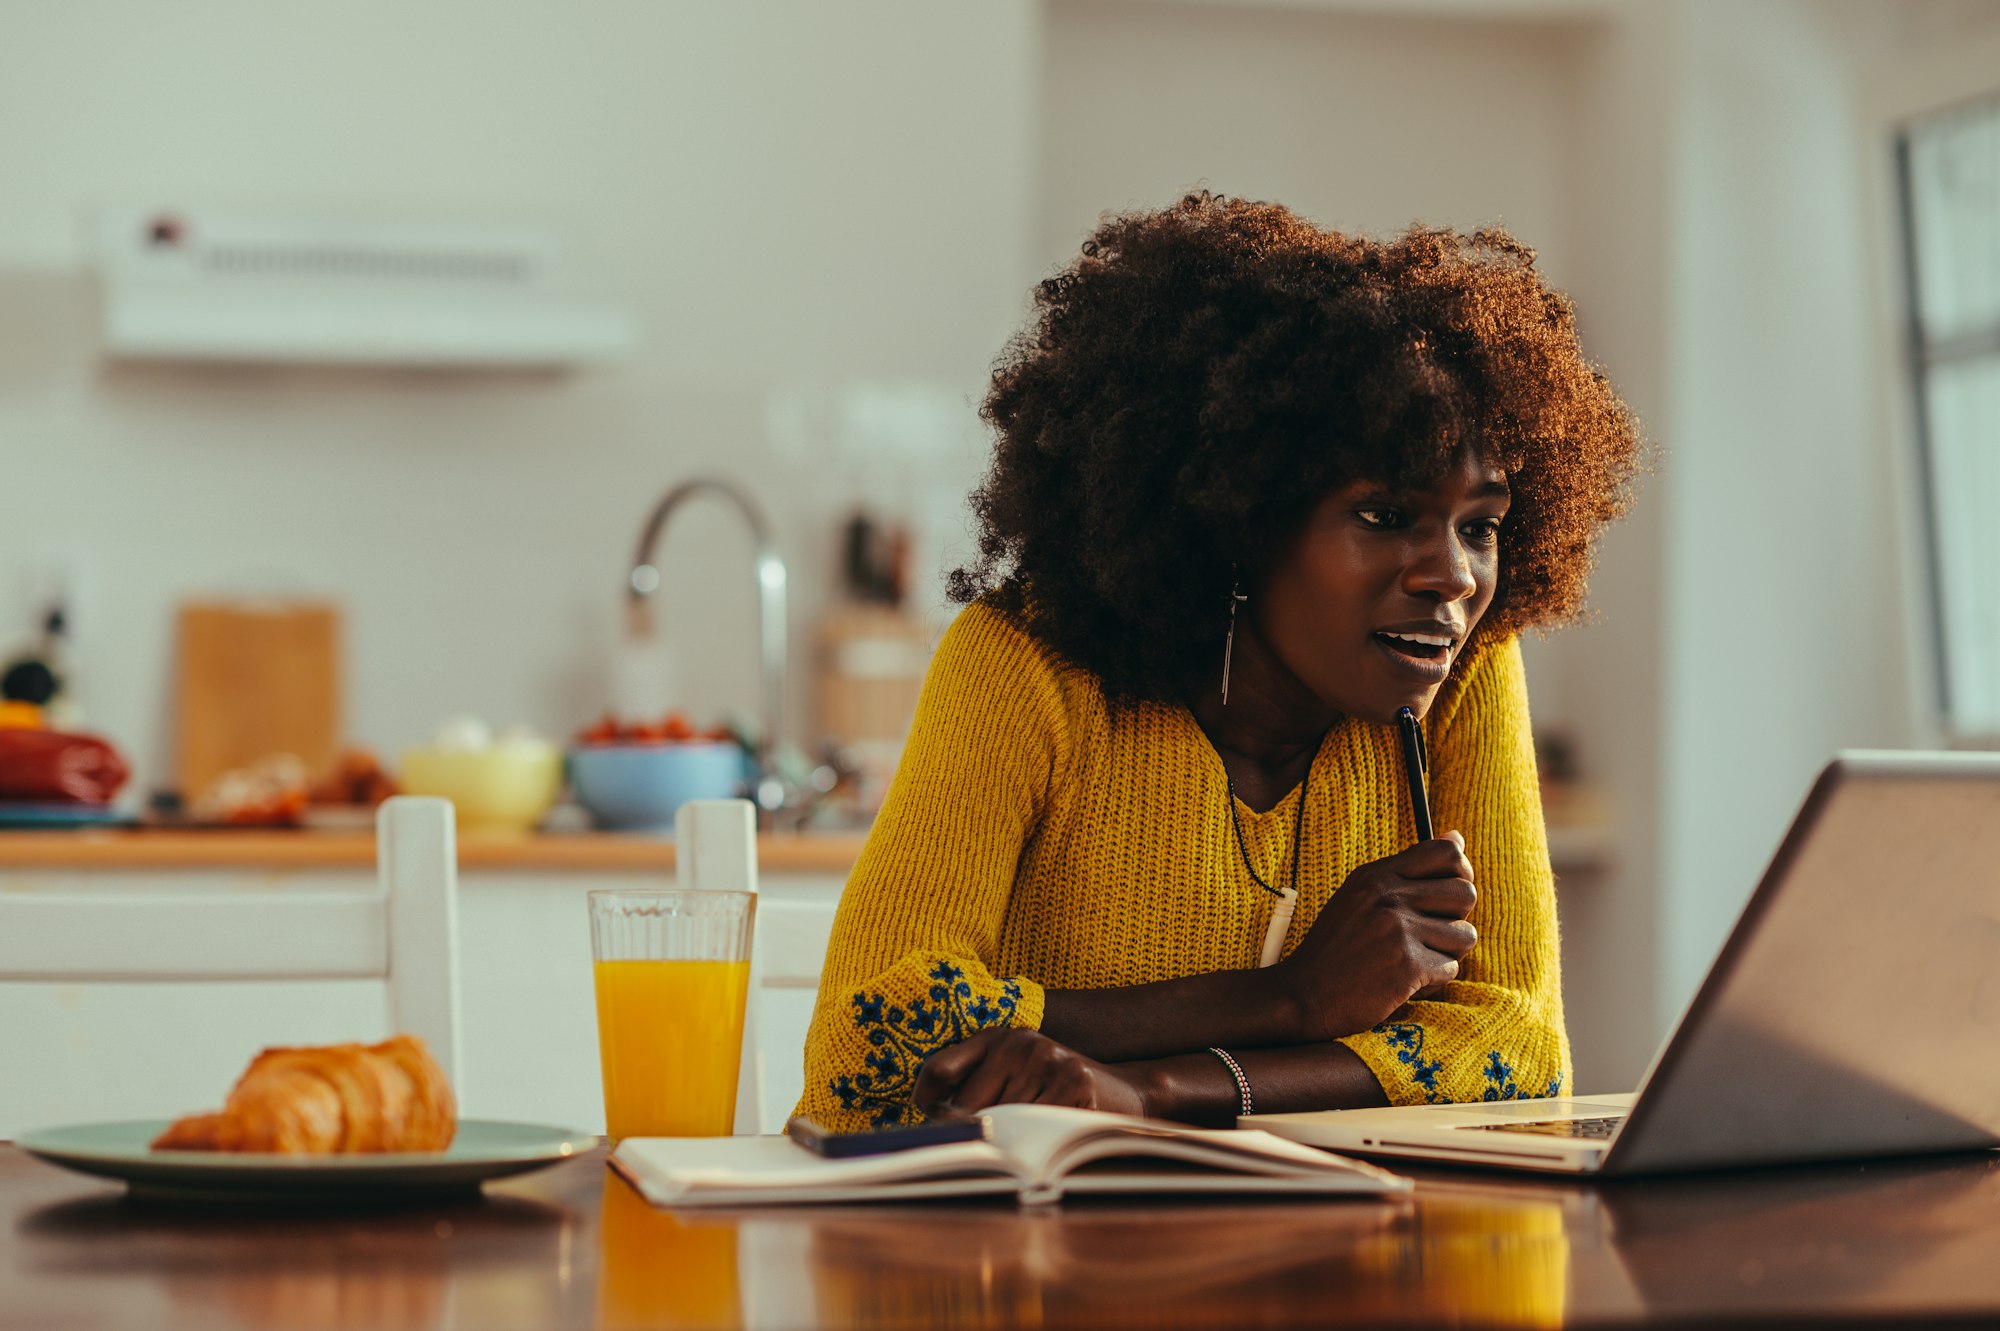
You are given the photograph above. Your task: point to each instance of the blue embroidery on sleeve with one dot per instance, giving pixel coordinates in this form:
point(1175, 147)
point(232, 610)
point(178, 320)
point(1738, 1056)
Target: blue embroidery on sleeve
point(902, 1038)
point(1406, 1040)
point(1500, 1083)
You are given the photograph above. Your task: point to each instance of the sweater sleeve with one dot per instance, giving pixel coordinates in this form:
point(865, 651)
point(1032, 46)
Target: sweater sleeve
point(1498, 1032)
point(910, 963)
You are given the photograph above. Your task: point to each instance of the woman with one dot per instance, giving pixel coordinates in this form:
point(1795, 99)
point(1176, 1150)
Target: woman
point(1257, 487)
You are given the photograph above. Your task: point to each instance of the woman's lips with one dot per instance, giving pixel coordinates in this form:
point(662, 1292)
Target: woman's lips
point(1429, 664)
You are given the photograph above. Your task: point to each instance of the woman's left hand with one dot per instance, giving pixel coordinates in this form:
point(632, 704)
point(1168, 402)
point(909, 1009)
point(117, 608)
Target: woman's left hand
point(1007, 1065)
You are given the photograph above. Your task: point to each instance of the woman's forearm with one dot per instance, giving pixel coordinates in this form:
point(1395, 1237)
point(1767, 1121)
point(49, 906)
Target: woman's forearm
point(1245, 1008)
point(1198, 1088)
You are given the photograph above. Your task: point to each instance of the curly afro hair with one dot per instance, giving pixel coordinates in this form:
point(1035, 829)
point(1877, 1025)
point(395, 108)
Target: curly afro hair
point(1202, 376)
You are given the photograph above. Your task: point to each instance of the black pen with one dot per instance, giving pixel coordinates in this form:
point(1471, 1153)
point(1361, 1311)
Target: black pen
point(1413, 767)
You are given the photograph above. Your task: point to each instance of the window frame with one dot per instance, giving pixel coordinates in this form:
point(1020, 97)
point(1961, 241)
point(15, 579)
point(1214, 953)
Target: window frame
point(1921, 356)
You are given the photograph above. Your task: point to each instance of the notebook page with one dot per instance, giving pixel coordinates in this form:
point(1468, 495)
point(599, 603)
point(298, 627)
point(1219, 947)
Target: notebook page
point(1047, 1142)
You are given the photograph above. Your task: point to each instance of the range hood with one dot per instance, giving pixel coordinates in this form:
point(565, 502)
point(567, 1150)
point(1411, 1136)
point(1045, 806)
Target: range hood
point(197, 286)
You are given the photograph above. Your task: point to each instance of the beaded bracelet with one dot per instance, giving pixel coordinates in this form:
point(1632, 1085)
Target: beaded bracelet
point(1242, 1082)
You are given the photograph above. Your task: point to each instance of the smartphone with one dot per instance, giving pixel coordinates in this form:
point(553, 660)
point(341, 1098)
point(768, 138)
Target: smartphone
point(881, 1141)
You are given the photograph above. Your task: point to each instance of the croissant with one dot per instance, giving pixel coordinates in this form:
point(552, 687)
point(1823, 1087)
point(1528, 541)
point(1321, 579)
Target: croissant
point(326, 1100)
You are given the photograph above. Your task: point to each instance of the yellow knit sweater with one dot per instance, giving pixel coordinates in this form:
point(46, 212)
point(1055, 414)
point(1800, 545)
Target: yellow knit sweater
point(1032, 838)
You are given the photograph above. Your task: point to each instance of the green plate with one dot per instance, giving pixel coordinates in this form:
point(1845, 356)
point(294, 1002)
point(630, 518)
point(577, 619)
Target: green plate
point(482, 1150)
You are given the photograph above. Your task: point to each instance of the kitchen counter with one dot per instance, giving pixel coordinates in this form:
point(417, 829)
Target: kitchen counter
point(161, 848)
point(1581, 828)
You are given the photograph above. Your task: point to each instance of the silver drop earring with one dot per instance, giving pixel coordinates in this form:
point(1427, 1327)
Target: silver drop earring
point(1236, 598)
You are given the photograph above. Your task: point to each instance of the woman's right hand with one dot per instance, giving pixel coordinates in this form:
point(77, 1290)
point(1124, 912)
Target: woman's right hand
point(1395, 927)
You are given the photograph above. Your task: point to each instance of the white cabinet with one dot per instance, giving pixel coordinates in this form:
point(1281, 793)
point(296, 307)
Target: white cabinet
point(529, 1014)
point(72, 1053)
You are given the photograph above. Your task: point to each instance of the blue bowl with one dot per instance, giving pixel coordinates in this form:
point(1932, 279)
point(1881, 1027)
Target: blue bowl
point(631, 787)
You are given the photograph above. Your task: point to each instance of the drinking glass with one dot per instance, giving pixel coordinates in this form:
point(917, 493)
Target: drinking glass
point(672, 972)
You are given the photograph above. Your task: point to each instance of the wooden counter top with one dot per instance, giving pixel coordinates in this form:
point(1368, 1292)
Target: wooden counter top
point(1582, 835)
point(157, 848)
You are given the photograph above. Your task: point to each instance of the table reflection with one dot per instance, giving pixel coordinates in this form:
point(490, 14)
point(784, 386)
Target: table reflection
point(231, 1266)
point(1492, 1258)
point(1894, 1238)
point(1485, 1255)
point(664, 1268)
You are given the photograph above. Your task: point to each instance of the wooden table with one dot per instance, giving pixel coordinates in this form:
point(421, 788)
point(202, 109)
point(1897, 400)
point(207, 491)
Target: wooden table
point(1877, 1245)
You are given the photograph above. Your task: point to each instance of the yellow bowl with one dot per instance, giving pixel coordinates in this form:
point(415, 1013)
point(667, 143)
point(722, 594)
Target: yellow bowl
point(505, 788)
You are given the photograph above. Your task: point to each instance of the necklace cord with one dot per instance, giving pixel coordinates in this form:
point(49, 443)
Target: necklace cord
point(1298, 827)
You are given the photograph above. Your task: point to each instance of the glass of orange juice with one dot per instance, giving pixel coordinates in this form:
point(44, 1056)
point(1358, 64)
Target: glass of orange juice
point(673, 973)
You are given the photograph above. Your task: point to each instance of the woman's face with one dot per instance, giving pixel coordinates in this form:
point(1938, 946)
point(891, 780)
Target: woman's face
point(1374, 603)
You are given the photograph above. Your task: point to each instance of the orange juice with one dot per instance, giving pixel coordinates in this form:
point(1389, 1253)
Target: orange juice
point(670, 1034)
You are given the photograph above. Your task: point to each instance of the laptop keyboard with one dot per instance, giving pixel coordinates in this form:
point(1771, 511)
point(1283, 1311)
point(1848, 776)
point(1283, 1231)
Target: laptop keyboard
point(1594, 1129)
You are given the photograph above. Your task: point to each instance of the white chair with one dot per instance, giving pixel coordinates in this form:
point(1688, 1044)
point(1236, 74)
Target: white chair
point(715, 850)
point(94, 1023)
point(791, 949)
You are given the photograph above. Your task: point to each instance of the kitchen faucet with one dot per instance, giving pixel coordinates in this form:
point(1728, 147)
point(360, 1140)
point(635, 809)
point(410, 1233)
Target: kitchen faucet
point(645, 579)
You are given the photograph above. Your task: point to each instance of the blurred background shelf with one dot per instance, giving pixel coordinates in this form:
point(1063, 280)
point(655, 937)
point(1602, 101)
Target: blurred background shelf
point(1583, 830)
point(148, 848)
point(1582, 836)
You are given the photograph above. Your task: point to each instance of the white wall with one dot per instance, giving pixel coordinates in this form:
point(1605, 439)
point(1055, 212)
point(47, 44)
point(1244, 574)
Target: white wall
point(1792, 601)
point(1606, 677)
point(1734, 279)
point(788, 193)
point(1783, 632)
point(1361, 123)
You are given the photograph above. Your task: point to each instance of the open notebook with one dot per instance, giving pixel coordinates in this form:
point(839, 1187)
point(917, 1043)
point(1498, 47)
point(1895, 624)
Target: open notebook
point(1039, 1152)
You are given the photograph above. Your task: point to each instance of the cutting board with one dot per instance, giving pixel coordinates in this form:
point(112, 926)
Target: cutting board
point(255, 678)
point(872, 663)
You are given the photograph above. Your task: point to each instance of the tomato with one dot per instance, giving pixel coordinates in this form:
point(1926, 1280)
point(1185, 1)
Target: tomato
point(673, 728)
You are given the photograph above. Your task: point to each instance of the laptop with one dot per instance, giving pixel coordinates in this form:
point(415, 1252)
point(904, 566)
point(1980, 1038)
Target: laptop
point(1854, 1010)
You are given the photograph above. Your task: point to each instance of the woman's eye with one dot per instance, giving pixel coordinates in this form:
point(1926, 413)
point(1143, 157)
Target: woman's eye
point(1485, 531)
point(1384, 518)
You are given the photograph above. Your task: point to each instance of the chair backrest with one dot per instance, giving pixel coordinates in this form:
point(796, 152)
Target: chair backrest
point(65, 938)
point(715, 850)
point(416, 858)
